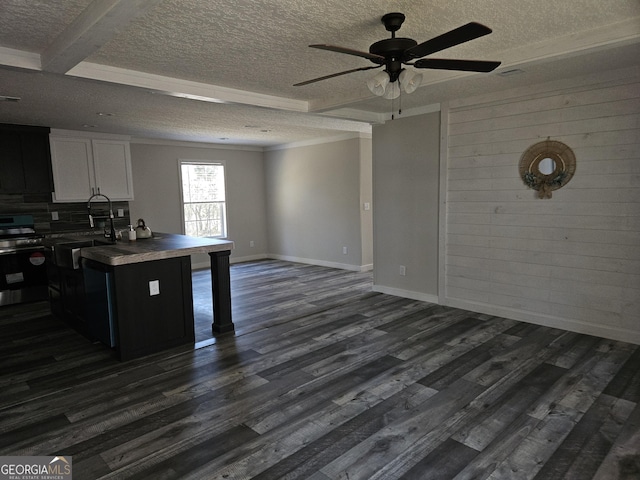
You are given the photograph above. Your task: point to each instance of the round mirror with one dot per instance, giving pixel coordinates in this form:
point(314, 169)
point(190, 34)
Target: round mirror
point(547, 166)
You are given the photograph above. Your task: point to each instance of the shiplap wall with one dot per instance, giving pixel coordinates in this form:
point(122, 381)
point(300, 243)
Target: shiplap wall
point(572, 261)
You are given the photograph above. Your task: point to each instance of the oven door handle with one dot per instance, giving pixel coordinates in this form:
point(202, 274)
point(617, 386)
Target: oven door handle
point(13, 251)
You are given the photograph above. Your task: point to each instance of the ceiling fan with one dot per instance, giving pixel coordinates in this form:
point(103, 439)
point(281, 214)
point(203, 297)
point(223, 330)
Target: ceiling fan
point(392, 53)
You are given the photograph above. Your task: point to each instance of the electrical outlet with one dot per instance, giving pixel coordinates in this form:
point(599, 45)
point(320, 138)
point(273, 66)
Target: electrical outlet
point(403, 270)
point(121, 212)
point(344, 250)
point(154, 288)
point(252, 243)
point(54, 216)
point(367, 206)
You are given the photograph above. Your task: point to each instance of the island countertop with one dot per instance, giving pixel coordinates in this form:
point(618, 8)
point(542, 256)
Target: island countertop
point(100, 288)
point(158, 247)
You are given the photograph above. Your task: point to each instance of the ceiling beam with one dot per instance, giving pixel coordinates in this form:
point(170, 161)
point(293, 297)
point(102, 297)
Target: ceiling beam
point(93, 28)
point(177, 87)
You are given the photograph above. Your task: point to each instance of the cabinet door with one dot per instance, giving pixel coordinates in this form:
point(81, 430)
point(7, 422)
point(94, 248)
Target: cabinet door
point(112, 164)
point(25, 161)
point(72, 168)
point(148, 324)
point(36, 160)
point(11, 169)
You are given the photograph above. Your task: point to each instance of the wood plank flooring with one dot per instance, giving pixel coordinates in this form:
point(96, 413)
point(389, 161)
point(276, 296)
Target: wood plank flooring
point(325, 379)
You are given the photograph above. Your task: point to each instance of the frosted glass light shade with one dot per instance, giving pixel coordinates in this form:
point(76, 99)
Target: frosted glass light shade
point(378, 83)
point(410, 80)
point(392, 91)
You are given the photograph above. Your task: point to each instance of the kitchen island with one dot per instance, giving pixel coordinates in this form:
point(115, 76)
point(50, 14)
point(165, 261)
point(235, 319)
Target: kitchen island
point(138, 296)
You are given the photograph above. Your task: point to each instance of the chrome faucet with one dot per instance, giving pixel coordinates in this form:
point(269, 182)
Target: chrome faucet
point(112, 232)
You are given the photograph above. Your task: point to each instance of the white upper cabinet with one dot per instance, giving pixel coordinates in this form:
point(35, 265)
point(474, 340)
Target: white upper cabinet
point(72, 168)
point(83, 166)
point(112, 169)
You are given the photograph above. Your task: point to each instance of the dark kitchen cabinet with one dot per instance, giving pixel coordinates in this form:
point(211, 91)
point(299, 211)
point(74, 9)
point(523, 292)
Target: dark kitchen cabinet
point(25, 159)
point(147, 322)
point(123, 312)
point(117, 306)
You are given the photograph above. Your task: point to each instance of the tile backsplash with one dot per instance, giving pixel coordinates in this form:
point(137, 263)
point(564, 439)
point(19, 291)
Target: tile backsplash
point(72, 217)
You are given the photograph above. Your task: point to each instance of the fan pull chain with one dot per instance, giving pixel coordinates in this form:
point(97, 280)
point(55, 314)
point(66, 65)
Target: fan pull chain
point(399, 103)
point(392, 116)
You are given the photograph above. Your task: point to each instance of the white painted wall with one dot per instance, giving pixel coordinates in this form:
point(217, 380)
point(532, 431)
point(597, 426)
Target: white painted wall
point(366, 196)
point(572, 261)
point(305, 205)
point(406, 157)
point(314, 197)
point(155, 167)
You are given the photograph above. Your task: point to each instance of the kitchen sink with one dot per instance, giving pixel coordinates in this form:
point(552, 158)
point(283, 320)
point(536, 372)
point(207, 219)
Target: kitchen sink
point(102, 241)
point(67, 253)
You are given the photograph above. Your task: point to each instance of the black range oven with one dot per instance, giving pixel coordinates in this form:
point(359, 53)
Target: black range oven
point(23, 269)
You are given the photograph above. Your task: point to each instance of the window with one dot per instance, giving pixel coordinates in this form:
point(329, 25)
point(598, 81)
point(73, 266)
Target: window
point(203, 199)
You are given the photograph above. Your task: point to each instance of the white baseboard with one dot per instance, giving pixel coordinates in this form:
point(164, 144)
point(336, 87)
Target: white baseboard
point(322, 263)
point(200, 266)
point(605, 331)
point(398, 292)
point(308, 261)
point(206, 264)
point(248, 258)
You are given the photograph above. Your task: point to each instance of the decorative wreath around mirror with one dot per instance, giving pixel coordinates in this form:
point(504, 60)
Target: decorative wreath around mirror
point(547, 166)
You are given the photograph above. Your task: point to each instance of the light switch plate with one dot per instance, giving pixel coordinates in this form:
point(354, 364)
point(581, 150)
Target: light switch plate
point(121, 212)
point(54, 216)
point(154, 288)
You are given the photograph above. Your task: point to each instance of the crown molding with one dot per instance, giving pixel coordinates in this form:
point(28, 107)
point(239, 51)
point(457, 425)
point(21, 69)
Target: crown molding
point(193, 144)
point(318, 141)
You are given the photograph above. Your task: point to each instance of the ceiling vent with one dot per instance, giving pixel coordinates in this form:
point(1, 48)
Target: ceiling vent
point(508, 73)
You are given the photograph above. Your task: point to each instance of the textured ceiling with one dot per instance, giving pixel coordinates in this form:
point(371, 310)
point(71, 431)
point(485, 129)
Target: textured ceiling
point(70, 59)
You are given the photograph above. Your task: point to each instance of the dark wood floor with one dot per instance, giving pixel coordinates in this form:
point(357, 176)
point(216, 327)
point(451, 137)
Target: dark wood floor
point(325, 379)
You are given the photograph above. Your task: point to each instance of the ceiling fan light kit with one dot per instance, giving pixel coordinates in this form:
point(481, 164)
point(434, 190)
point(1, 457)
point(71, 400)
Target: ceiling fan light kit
point(392, 53)
point(410, 80)
point(378, 83)
point(382, 85)
point(392, 91)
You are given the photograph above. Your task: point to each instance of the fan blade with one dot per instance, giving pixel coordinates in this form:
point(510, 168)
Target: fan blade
point(334, 75)
point(447, 64)
point(332, 48)
point(454, 37)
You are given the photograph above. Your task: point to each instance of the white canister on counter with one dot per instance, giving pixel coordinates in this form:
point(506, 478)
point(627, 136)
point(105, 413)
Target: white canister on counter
point(132, 233)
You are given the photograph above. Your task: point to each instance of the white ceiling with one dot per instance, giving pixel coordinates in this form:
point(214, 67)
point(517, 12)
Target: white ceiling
point(70, 60)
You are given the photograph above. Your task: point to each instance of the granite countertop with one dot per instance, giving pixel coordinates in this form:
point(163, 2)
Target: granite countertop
point(158, 247)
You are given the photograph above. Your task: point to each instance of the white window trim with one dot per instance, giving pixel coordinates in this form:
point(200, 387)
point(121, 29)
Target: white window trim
point(226, 192)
